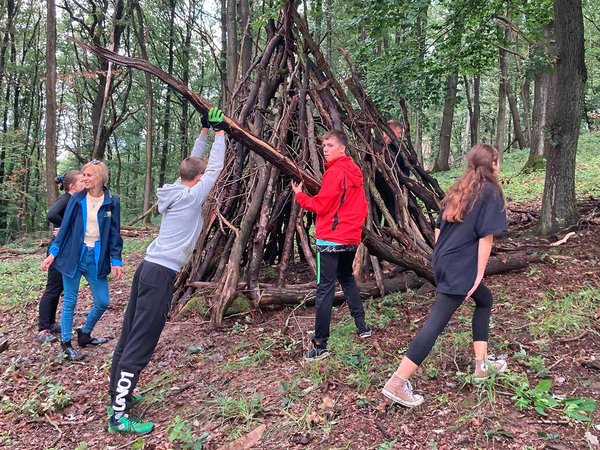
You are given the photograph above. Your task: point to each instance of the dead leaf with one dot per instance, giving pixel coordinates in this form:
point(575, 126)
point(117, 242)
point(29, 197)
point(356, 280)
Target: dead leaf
point(327, 403)
point(246, 441)
point(592, 439)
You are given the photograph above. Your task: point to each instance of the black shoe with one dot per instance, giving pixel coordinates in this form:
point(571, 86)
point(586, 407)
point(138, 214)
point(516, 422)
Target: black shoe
point(55, 328)
point(70, 353)
point(363, 331)
point(316, 353)
point(45, 336)
point(84, 339)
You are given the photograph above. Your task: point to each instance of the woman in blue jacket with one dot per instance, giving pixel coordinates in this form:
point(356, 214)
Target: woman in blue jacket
point(71, 182)
point(89, 243)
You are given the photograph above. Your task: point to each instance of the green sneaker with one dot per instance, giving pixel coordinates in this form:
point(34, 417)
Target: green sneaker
point(129, 424)
point(135, 399)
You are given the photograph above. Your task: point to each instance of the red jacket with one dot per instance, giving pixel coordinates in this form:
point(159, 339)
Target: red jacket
point(340, 205)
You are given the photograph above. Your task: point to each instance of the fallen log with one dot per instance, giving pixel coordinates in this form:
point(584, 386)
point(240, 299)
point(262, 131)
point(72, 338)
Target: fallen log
point(272, 295)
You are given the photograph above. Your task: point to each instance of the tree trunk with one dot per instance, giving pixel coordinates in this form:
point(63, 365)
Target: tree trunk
point(516, 119)
point(50, 140)
point(542, 83)
point(502, 90)
point(167, 117)
point(442, 160)
point(101, 131)
point(141, 36)
point(232, 45)
point(559, 208)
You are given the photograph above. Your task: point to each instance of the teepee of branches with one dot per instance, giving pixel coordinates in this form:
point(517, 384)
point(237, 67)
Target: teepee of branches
point(282, 104)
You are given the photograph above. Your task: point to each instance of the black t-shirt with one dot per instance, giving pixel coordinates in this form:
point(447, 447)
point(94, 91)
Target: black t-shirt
point(455, 252)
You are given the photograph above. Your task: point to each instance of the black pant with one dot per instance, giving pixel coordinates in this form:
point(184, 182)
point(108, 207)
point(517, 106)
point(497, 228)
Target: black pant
point(330, 266)
point(49, 300)
point(439, 316)
point(145, 318)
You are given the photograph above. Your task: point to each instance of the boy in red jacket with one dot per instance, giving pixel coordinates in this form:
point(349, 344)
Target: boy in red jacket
point(341, 210)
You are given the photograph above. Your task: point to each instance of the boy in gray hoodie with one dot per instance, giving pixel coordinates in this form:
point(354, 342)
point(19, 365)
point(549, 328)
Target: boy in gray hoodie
point(152, 289)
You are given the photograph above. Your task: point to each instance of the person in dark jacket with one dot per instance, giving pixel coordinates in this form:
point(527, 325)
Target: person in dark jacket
point(71, 182)
point(472, 212)
point(341, 210)
point(89, 243)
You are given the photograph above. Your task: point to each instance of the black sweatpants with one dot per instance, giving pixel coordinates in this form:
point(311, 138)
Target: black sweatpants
point(332, 265)
point(49, 300)
point(145, 318)
point(439, 316)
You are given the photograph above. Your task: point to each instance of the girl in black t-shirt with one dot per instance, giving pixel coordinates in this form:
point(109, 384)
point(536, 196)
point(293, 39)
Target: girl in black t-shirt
point(472, 212)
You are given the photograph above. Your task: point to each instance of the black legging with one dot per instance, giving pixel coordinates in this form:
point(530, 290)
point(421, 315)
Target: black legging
point(441, 312)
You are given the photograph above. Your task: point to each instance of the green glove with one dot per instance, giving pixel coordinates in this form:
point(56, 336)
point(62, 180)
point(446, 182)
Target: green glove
point(215, 118)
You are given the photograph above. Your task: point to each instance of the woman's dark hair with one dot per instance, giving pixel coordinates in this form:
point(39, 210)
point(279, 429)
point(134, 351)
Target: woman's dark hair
point(67, 180)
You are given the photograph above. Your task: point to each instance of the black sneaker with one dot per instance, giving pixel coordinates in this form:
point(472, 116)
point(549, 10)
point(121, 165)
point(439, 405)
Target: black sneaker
point(316, 353)
point(70, 353)
point(45, 336)
point(363, 331)
point(55, 328)
point(84, 339)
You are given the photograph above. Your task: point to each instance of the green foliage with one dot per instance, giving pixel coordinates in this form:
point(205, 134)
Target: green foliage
point(242, 410)
point(291, 392)
point(579, 408)
point(20, 281)
point(541, 400)
point(48, 397)
point(248, 360)
point(182, 433)
point(558, 314)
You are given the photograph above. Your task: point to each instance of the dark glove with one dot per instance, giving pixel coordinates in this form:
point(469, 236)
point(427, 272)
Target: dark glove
point(204, 120)
point(215, 118)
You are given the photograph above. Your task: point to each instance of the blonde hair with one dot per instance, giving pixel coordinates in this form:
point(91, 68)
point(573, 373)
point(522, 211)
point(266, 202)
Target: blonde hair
point(99, 168)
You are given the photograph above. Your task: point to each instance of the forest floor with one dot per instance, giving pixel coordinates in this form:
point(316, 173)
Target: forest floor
point(247, 384)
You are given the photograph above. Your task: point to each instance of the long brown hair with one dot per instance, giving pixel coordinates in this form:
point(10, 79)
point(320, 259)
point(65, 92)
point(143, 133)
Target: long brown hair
point(462, 194)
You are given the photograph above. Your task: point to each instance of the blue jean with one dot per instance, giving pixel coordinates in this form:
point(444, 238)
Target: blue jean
point(99, 287)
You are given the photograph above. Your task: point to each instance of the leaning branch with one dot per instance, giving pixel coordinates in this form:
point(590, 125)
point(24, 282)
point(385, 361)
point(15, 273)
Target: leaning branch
point(233, 129)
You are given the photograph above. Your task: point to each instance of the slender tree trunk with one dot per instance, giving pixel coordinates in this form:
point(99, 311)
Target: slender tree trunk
point(559, 207)
point(542, 83)
point(232, 45)
point(502, 89)
point(51, 101)
point(525, 100)
point(442, 160)
point(101, 131)
point(141, 36)
point(516, 119)
point(185, 79)
point(167, 117)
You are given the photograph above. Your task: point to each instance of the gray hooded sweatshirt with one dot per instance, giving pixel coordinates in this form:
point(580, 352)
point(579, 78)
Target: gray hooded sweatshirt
point(181, 208)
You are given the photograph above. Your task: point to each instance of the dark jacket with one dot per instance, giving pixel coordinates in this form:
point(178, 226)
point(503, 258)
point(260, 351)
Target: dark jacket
point(69, 245)
point(57, 210)
point(340, 205)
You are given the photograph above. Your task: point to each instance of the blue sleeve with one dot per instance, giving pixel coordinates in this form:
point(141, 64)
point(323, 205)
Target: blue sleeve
point(492, 214)
point(66, 224)
point(115, 239)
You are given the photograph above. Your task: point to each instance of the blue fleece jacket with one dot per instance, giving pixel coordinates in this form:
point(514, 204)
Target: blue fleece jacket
point(69, 245)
